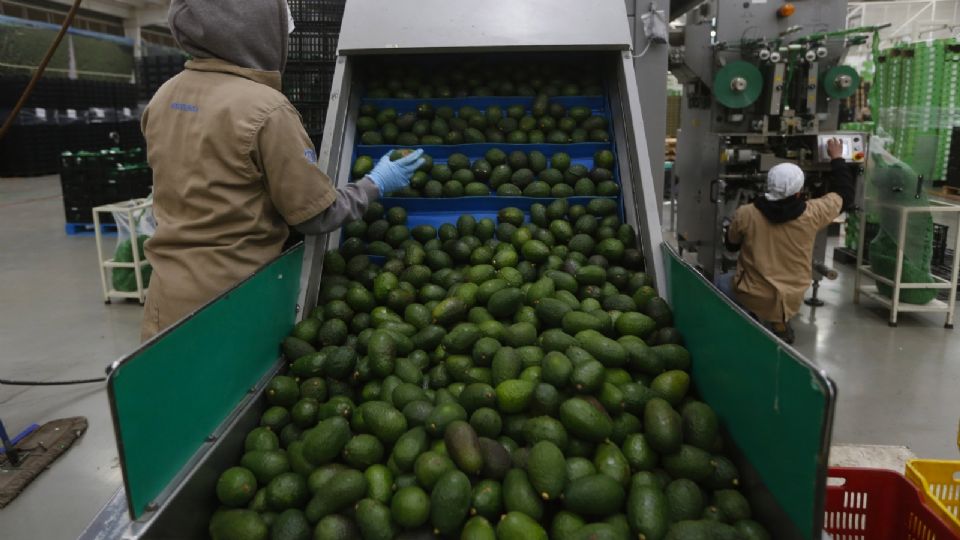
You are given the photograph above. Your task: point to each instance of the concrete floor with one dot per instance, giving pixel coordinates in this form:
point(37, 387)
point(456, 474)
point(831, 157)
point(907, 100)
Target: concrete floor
point(896, 386)
point(55, 326)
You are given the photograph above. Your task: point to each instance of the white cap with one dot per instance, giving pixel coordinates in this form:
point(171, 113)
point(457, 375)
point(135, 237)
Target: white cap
point(784, 180)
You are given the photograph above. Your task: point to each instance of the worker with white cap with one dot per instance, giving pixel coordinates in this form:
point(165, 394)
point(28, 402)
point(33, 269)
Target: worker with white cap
point(775, 237)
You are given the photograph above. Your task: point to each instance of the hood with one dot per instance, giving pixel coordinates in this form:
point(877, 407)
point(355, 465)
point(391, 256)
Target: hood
point(781, 211)
point(248, 33)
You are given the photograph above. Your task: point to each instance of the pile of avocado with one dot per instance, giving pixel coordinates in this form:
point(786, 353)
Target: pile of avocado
point(542, 121)
point(528, 174)
point(459, 79)
point(506, 379)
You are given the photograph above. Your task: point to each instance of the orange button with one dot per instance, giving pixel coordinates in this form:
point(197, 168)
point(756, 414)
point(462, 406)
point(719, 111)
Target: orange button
point(858, 156)
point(787, 10)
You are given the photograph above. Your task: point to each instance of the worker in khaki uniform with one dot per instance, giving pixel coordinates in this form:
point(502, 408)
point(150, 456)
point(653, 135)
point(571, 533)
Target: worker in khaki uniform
point(232, 163)
point(775, 237)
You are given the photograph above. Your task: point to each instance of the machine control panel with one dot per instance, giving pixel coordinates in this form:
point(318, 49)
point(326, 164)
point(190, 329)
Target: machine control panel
point(854, 146)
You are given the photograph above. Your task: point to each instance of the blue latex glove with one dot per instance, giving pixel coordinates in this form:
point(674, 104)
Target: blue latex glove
point(393, 175)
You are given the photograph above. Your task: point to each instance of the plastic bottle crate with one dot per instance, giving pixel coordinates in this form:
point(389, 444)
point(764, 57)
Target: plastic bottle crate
point(308, 82)
point(317, 43)
point(939, 243)
point(939, 482)
point(313, 116)
point(875, 504)
point(307, 11)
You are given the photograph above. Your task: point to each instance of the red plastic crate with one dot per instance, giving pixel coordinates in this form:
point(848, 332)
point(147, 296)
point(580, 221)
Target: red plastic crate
point(876, 504)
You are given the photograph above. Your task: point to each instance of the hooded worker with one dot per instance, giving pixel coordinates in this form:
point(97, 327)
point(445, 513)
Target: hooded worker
point(233, 167)
point(775, 237)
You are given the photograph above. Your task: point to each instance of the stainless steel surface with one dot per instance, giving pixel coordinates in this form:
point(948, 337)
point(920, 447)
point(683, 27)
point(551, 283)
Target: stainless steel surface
point(333, 159)
point(648, 67)
point(374, 26)
point(697, 165)
point(642, 205)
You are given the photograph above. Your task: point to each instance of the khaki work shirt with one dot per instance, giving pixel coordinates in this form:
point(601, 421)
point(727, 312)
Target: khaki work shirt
point(232, 167)
point(775, 262)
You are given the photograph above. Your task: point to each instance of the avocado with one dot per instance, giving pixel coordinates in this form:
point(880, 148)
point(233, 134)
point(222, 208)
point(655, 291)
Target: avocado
point(238, 524)
point(546, 469)
point(647, 511)
point(236, 487)
point(519, 495)
point(596, 495)
point(478, 528)
point(374, 519)
point(463, 446)
point(450, 502)
point(663, 427)
point(520, 526)
point(684, 500)
point(410, 507)
point(324, 442)
point(341, 491)
point(584, 420)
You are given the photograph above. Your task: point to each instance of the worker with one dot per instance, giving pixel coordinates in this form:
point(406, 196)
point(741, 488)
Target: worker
point(232, 164)
point(775, 237)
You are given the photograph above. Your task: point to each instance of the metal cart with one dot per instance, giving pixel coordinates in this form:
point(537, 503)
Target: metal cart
point(893, 302)
point(776, 406)
point(129, 209)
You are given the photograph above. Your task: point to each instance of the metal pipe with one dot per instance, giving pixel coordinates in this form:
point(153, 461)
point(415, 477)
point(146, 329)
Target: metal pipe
point(826, 271)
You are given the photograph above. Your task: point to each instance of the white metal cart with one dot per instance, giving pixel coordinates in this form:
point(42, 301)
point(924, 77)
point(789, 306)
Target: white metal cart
point(129, 209)
point(894, 303)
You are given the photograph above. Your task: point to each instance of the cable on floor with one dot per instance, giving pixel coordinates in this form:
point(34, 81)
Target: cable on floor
point(51, 383)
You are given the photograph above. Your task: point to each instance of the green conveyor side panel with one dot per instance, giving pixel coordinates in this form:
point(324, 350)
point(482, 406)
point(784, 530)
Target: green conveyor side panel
point(776, 407)
point(175, 391)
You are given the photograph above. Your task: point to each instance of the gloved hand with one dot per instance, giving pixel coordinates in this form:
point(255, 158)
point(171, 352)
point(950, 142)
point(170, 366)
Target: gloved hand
point(393, 175)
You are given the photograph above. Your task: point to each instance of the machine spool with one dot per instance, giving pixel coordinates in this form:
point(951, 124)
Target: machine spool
point(841, 82)
point(738, 84)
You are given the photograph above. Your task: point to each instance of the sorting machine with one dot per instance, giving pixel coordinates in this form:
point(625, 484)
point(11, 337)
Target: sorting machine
point(184, 401)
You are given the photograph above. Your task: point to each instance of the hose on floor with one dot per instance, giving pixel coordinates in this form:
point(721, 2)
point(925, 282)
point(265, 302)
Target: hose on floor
point(51, 383)
point(40, 69)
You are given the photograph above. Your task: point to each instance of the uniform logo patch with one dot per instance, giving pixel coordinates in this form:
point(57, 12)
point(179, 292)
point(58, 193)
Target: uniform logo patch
point(186, 107)
point(310, 155)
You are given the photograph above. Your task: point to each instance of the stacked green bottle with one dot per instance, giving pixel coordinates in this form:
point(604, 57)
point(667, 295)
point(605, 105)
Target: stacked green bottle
point(915, 103)
point(948, 105)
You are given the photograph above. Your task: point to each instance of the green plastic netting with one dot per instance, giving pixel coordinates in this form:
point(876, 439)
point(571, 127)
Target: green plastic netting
point(892, 185)
point(125, 279)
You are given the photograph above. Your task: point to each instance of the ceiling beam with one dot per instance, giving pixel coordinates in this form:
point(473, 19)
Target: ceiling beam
point(152, 16)
point(107, 7)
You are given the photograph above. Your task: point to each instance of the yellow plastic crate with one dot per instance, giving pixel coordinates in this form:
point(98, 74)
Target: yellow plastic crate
point(940, 483)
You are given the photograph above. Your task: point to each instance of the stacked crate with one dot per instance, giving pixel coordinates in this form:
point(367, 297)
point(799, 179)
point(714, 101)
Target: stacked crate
point(94, 178)
point(153, 71)
point(921, 108)
point(949, 103)
point(915, 102)
point(65, 114)
point(311, 58)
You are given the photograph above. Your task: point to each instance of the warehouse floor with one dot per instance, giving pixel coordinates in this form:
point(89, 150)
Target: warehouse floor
point(896, 386)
